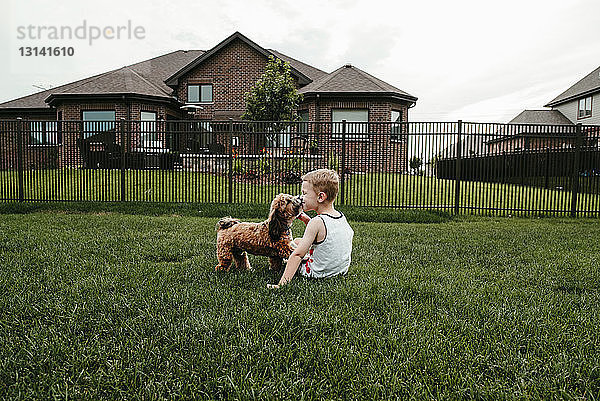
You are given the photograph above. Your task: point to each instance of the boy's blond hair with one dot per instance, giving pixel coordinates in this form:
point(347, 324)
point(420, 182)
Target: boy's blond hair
point(324, 180)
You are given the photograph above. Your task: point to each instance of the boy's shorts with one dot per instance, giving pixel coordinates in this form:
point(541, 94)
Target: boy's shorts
point(303, 268)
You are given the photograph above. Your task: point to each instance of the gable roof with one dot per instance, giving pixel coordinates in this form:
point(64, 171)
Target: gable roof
point(173, 80)
point(588, 85)
point(351, 80)
point(147, 78)
point(312, 72)
point(535, 122)
point(549, 117)
point(143, 78)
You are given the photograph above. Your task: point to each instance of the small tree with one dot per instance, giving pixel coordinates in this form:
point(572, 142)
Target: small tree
point(273, 98)
point(415, 164)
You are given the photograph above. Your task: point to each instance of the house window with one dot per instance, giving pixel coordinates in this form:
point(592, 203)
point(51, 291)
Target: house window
point(357, 119)
point(303, 117)
point(585, 107)
point(282, 140)
point(279, 140)
point(148, 129)
point(200, 93)
point(45, 133)
point(396, 125)
point(98, 122)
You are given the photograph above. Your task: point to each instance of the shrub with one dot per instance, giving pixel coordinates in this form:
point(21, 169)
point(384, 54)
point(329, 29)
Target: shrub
point(263, 166)
point(333, 162)
point(293, 165)
point(238, 167)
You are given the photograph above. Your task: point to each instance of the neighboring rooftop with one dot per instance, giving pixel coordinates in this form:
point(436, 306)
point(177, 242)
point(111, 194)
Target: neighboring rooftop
point(588, 85)
point(550, 117)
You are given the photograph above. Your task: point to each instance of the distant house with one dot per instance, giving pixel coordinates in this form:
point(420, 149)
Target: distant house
point(541, 129)
point(533, 129)
point(581, 102)
point(213, 82)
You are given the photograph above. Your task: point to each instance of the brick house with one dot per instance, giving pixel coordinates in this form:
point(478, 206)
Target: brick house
point(213, 83)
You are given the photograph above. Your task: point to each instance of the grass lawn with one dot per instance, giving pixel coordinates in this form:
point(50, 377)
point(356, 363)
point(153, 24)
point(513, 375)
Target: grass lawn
point(107, 305)
point(373, 189)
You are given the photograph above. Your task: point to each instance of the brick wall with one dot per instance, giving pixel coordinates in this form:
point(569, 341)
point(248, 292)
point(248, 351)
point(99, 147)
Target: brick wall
point(34, 156)
point(8, 145)
point(232, 72)
point(129, 110)
point(8, 139)
point(379, 152)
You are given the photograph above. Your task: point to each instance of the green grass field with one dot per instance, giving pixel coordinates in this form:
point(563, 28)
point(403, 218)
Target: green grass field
point(373, 189)
point(105, 305)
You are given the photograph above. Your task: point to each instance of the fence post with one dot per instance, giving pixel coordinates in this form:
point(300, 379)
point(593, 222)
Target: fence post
point(343, 178)
point(547, 180)
point(230, 192)
point(457, 172)
point(522, 166)
point(575, 173)
point(123, 160)
point(504, 167)
point(20, 158)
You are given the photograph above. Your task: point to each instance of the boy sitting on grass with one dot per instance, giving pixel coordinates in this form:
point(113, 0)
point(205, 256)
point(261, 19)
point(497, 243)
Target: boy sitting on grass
point(328, 236)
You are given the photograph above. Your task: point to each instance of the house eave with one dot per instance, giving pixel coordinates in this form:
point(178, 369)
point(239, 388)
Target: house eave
point(391, 95)
point(26, 112)
point(29, 109)
point(573, 97)
point(55, 98)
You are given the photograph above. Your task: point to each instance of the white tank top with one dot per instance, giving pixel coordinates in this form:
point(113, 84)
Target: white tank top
point(332, 255)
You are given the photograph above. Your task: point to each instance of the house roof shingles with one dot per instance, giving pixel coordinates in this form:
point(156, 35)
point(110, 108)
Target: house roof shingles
point(536, 122)
point(153, 78)
point(589, 84)
point(143, 78)
point(549, 117)
point(308, 70)
point(349, 79)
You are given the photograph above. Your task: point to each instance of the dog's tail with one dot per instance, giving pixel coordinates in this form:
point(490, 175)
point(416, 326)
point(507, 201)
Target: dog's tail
point(226, 222)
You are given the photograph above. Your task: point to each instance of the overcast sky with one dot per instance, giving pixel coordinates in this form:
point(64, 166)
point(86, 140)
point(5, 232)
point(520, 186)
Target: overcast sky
point(470, 60)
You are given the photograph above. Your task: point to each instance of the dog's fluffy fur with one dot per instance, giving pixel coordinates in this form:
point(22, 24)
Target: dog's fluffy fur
point(270, 238)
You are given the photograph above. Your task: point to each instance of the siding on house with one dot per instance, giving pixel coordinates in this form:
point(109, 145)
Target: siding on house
point(570, 110)
point(567, 102)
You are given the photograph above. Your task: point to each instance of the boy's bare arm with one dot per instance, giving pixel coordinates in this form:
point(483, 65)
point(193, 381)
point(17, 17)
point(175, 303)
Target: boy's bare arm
point(305, 219)
point(312, 229)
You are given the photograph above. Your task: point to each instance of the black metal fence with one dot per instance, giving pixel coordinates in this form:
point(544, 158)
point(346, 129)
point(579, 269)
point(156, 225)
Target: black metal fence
point(456, 166)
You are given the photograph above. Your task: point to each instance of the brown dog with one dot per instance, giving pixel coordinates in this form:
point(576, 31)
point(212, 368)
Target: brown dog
point(270, 238)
